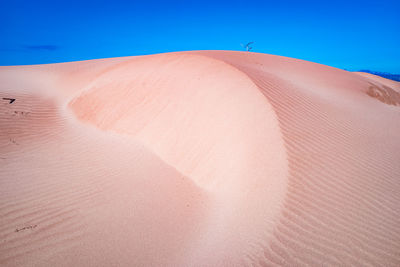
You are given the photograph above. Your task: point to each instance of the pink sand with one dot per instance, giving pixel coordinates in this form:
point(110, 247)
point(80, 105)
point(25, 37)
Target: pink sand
point(208, 158)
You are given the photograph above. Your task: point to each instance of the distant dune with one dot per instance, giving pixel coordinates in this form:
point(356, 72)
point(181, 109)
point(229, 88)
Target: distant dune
point(206, 158)
point(394, 77)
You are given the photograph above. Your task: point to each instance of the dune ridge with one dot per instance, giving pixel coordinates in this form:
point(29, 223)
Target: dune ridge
point(203, 158)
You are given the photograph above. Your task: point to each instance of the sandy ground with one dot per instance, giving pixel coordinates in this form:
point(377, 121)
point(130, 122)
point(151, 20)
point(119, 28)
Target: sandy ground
point(206, 158)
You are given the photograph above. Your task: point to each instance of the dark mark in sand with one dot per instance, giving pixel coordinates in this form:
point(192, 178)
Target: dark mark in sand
point(13, 141)
point(9, 99)
point(25, 228)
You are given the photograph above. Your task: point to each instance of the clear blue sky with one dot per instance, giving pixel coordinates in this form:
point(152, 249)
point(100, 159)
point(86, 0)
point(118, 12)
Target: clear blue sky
point(345, 34)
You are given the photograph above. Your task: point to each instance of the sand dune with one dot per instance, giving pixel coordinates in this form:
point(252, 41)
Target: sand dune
point(206, 158)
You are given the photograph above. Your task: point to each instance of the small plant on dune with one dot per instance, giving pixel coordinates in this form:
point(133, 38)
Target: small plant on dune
point(247, 46)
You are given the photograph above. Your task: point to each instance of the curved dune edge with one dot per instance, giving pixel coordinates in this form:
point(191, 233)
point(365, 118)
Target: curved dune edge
point(341, 207)
point(211, 123)
point(204, 158)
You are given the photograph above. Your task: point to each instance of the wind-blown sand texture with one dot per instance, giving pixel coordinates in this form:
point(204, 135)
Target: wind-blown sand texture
point(208, 158)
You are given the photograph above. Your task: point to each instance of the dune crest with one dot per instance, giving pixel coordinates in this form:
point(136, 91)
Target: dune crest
point(204, 158)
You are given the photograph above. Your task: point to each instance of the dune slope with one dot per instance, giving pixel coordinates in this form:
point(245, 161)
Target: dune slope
point(206, 158)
